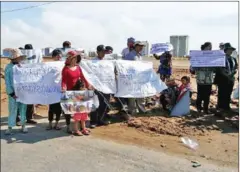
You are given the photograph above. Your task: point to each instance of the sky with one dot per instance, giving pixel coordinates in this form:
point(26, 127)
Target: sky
point(88, 24)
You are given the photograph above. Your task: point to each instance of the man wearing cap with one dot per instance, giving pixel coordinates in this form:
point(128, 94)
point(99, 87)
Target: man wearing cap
point(13, 106)
point(130, 47)
point(99, 116)
point(225, 79)
point(135, 55)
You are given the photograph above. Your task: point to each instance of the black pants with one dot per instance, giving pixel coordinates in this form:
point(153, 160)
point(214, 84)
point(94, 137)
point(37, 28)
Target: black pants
point(99, 115)
point(203, 94)
point(54, 109)
point(30, 111)
point(224, 95)
point(121, 102)
point(163, 102)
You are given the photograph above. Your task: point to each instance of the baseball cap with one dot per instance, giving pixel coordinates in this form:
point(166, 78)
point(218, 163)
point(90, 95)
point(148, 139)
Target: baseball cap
point(101, 48)
point(72, 54)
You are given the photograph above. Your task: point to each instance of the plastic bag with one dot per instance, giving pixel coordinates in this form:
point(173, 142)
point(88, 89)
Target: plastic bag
point(189, 143)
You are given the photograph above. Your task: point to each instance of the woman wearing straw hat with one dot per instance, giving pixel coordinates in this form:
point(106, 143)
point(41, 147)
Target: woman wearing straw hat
point(13, 106)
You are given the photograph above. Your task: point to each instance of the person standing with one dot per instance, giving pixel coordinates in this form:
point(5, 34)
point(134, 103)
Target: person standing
point(135, 55)
point(165, 67)
point(13, 105)
point(205, 79)
point(99, 117)
point(130, 47)
point(56, 107)
point(72, 75)
point(225, 79)
point(30, 108)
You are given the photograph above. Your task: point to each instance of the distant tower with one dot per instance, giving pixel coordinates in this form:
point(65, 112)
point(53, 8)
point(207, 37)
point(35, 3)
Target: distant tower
point(180, 45)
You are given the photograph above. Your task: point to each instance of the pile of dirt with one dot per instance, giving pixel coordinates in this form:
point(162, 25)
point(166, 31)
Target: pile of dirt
point(172, 126)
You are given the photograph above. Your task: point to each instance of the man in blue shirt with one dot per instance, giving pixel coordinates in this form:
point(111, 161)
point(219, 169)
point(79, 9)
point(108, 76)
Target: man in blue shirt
point(135, 54)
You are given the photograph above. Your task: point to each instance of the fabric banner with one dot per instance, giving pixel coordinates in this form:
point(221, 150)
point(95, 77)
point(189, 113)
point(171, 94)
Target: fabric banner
point(33, 56)
point(100, 74)
point(215, 58)
point(38, 83)
point(160, 48)
point(79, 101)
point(182, 107)
point(137, 80)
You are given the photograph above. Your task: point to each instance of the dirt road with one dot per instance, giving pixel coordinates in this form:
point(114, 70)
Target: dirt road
point(54, 151)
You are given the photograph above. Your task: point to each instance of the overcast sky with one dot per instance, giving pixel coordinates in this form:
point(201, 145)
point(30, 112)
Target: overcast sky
point(88, 24)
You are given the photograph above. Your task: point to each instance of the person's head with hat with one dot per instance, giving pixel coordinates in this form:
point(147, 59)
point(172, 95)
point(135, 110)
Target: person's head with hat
point(109, 50)
point(130, 42)
point(72, 58)
point(15, 55)
point(138, 46)
point(228, 49)
point(101, 50)
point(66, 44)
point(221, 46)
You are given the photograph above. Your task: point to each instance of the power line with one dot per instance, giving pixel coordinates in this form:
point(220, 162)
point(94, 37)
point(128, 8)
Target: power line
point(29, 7)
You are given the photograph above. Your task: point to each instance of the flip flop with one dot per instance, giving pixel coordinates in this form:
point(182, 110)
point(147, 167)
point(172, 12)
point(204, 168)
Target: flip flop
point(77, 134)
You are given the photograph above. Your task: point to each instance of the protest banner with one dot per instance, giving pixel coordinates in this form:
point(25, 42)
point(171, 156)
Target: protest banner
point(100, 74)
point(75, 101)
point(33, 56)
point(137, 79)
point(38, 83)
point(215, 58)
point(182, 107)
point(160, 48)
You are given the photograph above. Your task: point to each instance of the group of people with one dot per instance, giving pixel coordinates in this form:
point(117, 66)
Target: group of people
point(73, 79)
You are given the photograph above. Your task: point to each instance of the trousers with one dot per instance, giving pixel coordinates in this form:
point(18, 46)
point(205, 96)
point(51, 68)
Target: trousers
point(54, 109)
point(203, 95)
point(224, 95)
point(13, 108)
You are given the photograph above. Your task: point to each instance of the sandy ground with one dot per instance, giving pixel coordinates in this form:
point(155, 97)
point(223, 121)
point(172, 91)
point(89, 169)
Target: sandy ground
point(218, 140)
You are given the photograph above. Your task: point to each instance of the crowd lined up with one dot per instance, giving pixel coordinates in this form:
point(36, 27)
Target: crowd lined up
point(73, 79)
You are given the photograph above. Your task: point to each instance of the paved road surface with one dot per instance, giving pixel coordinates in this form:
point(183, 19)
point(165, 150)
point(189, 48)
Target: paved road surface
point(53, 151)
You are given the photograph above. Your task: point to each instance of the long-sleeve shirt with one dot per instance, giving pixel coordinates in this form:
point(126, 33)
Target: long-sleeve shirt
point(9, 79)
point(70, 77)
point(133, 55)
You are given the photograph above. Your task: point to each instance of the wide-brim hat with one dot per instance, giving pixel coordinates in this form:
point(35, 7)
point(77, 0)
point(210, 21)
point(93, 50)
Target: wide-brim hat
point(13, 53)
point(228, 46)
point(139, 43)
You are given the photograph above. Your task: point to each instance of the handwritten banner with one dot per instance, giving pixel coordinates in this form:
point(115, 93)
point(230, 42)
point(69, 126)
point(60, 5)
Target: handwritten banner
point(215, 58)
point(100, 74)
point(38, 83)
point(79, 101)
point(160, 48)
point(137, 80)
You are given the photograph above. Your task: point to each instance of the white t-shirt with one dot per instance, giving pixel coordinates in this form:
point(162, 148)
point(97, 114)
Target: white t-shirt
point(33, 56)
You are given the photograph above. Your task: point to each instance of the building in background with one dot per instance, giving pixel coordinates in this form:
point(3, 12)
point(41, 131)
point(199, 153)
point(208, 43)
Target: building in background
point(180, 45)
point(47, 51)
point(146, 49)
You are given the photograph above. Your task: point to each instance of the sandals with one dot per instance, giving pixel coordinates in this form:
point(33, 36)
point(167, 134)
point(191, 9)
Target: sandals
point(77, 133)
point(86, 132)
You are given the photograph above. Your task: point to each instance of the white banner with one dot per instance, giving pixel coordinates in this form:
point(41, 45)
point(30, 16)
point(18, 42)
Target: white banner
point(160, 48)
point(100, 74)
point(137, 79)
point(78, 101)
point(38, 83)
point(215, 58)
point(33, 56)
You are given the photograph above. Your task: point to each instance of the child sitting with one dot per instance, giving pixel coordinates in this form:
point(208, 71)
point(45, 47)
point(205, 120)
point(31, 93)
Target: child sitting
point(185, 86)
point(169, 96)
